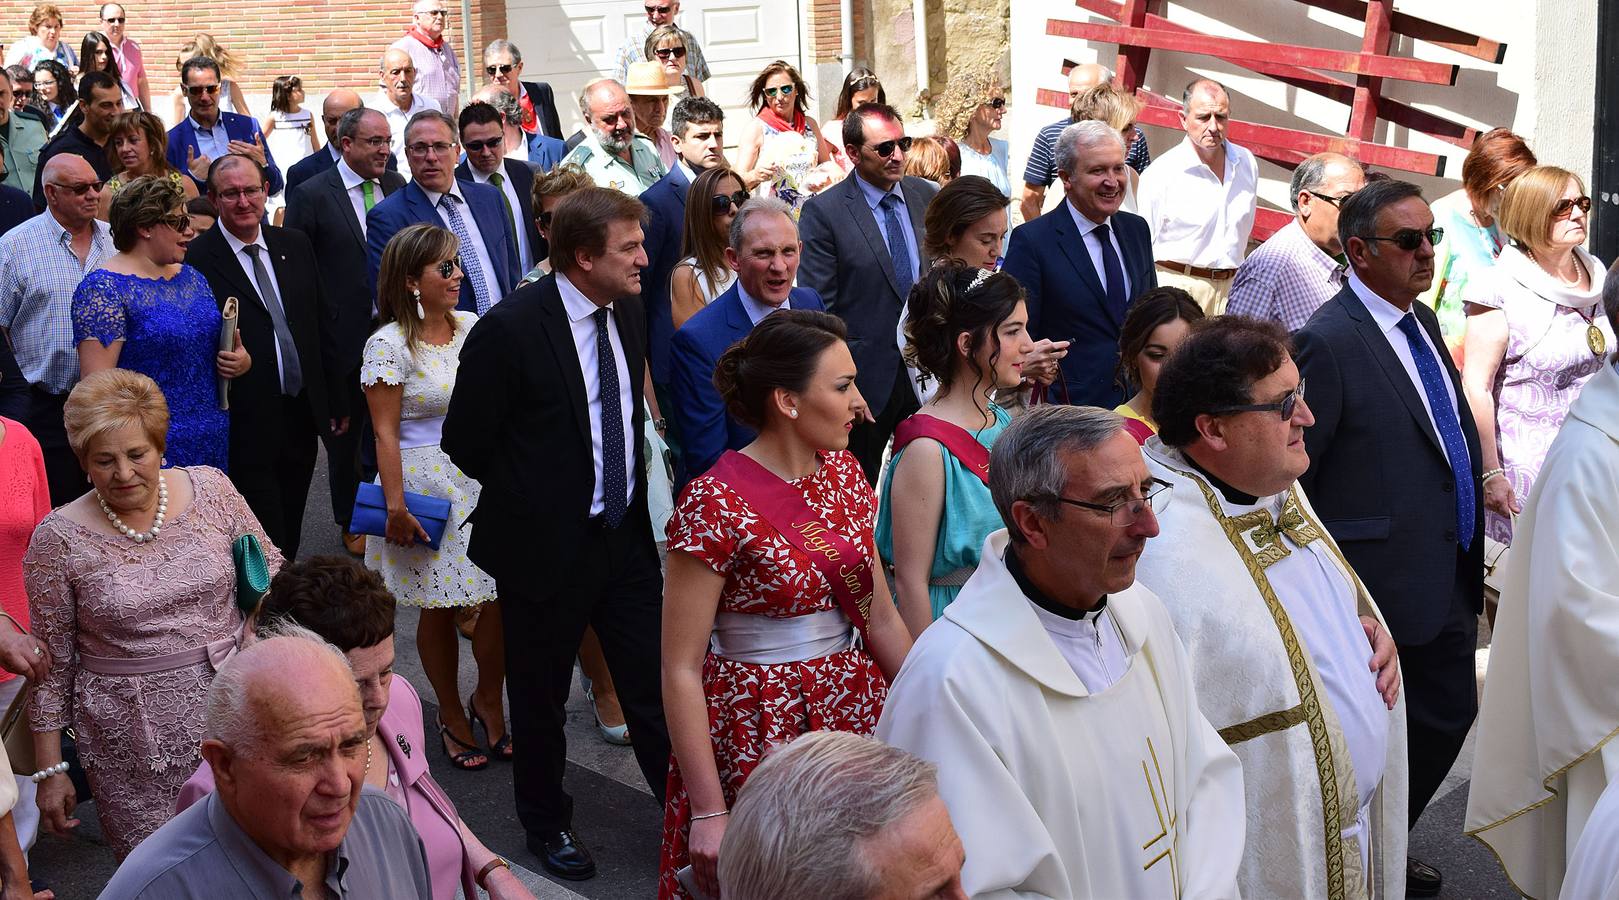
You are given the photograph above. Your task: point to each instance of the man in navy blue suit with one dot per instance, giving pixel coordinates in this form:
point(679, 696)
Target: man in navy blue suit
point(1083, 262)
point(764, 252)
point(435, 196)
point(698, 126)
point(208, 133)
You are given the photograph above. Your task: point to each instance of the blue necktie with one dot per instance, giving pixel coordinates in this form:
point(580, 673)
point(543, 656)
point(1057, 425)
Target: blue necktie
point(1112, 272)
point(469, 256)
point(1450, 428)
point(904, 268)
point(613, 486)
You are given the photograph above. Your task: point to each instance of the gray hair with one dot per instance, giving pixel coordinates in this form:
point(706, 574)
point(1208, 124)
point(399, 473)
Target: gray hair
point(230, 715)
point(1312, 174)
point(753, 207)
point(1357, 217)
point(431, 115)
point(1028, 460)
point(1083, 136)
point(805, 814)
point(591, 88)
point(511, 112)
point(501, 45)
point(349, 124)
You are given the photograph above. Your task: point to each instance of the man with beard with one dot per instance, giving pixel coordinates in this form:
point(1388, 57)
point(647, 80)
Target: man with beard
point(612, 153)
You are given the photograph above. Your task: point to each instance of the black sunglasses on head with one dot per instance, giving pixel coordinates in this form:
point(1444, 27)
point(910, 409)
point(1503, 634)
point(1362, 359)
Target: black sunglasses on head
point(722, 203)
point(886, 148)
point(1409, 239)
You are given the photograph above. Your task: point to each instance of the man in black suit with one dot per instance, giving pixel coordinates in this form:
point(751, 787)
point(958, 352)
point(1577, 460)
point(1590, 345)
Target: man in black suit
point(863, 243)
point(1394, 471)
point(282, 404)
point(546, 416)
point(483, 137)
point(329, 208)
point(503, 66)
point(332, 109)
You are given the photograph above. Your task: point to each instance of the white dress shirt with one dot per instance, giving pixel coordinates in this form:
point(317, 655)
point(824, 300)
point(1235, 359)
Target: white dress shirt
point(1093, 245)
point(758, 309)
point(525, 253)
point(1388, 317)
point(1196, 218)
point(397, 119)
point(581, 312)
point(246, 262)
point(351, 184)
point(480, 249)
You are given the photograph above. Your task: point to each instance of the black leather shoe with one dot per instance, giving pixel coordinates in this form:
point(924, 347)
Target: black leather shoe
point(562, 855)
point(1421, 879)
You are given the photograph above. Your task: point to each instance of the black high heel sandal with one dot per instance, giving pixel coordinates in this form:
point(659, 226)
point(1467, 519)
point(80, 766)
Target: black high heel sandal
point(501, 749)
point(469, 752)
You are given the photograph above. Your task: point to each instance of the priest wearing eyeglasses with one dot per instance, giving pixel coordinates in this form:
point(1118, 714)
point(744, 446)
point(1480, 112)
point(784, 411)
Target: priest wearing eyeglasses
point(1293, 662)
point(1054, 696)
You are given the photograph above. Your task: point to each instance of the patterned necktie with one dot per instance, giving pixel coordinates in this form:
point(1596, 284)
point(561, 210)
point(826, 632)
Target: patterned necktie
point(1112, 272)
point(1450, 428)
point(613, 485)
point(498, 179)
point(904, 267)
point(292, 374)
point(468, 256)
point(369, 193)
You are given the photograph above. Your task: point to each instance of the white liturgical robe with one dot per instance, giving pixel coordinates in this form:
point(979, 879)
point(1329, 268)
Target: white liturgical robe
point(1550, 708)
point(1269, 612)
point(1057, 791)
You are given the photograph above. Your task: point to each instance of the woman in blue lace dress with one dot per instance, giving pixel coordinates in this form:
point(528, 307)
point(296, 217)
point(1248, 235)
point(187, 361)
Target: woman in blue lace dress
point(147, 311)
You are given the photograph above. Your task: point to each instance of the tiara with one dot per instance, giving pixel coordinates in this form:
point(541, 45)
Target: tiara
point(978, 280)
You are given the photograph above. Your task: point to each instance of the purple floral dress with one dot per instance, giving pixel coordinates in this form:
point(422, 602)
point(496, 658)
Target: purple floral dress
point(1548, 359)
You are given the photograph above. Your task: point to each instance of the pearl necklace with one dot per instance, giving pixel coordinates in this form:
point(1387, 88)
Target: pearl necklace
point(140, 537)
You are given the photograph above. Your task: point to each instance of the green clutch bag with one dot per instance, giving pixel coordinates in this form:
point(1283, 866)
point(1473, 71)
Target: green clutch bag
point(252, 573)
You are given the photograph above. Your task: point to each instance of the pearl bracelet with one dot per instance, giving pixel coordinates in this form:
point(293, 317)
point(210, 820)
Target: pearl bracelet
point(47, 772)
point(1491, 474)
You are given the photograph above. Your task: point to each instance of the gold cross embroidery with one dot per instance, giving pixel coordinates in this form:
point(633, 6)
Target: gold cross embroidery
point(1167, 820)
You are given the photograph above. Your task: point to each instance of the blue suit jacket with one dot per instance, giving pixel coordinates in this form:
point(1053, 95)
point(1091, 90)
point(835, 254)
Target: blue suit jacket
point(183, 137)
point(545, 152)
point(1066, 301)
point(408, 206)
point(705, 429)
point(666, 225)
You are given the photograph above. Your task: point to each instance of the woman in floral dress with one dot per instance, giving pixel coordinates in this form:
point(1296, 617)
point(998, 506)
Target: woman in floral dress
point(782, 142)
point(757, 647)
point(408, 373)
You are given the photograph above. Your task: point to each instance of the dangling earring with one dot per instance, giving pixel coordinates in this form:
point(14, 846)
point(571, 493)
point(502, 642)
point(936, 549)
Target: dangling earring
point(421, 313)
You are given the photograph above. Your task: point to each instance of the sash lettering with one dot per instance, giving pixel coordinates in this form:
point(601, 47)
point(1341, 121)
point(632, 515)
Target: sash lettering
point(961, 444)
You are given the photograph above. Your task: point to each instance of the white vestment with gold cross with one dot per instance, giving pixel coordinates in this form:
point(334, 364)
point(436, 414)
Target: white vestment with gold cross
point(1268, 610)
point(1056, 791)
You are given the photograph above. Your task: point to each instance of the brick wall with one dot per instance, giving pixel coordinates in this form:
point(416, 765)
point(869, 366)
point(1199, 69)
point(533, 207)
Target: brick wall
point(826, 30)
point(329, 44)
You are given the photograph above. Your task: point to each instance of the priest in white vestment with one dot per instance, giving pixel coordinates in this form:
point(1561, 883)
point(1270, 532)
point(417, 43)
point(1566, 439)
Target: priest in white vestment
point(1279, 631)
point(1055, 698)
point(1551, 697)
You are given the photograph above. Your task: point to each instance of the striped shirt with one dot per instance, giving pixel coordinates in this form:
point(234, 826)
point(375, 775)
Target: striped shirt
point(1286, 280)
point(38, 275)
point(1041, 168)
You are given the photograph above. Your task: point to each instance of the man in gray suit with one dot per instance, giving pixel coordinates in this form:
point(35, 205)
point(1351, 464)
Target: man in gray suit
point(863, 243)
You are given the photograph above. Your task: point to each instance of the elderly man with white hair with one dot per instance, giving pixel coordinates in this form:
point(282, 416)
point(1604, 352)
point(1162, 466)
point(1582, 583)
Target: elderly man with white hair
point(846, 813)
point(613, 153)
point(434, 57)
point(286, 739)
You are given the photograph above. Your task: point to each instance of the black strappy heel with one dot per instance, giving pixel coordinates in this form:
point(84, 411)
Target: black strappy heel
point(501, 749)
point(462, 760)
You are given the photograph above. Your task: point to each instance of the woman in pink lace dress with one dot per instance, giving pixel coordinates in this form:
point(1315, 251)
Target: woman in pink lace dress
point(132, 588)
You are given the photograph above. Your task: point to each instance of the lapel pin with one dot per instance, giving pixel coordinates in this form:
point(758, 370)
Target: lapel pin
point(403, 744)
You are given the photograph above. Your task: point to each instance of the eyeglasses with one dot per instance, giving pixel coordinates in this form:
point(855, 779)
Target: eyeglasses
point(676, 53)
point(503, 69)
point(785, 90)
point(1409, 239)
point(1127, 512)
point(658, 10)
point(44, 84)
point(722, 203)
point(248, 193)
point(78, 190)
point(448, 267)
point(197, 90)
point(440, 148)
point(375, 143)
point(997, 103)
point(434, 13)
point(1286, 406)
point(118, 20)
point(886, 148)
point(1566, 206)
point(479, 146)
point(1338, 202)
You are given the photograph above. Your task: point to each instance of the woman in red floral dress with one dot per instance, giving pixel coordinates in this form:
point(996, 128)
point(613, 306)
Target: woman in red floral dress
point(757, 648)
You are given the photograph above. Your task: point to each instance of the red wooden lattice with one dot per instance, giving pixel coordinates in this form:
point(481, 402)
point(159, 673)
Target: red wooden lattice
point(1140, 31)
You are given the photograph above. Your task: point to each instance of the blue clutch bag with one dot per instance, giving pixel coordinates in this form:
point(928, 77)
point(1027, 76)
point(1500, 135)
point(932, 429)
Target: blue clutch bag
point(370, 514)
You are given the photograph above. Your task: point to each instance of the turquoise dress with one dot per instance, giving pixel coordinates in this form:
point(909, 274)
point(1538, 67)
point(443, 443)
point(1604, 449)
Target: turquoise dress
point(969, 517)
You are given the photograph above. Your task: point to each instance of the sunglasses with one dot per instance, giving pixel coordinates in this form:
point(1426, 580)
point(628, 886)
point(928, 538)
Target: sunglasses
point(886, 148)
point(673, 53)
point(447, 268)
point(1566, 206)
point(1287, 406)
point(434, 13)
point(179, 222)
point(78, 190)
point(197, 90)
point(1409, 239)
point(543, 218)
point(1335, 201)
point(785, 90)
point(480, 146)
point(658, 10)
point(997, 103)
point(115, 21)
point(505, 69)
point(722, 203)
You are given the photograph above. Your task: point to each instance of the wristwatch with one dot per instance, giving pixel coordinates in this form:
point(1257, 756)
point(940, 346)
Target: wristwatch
point(499, 862)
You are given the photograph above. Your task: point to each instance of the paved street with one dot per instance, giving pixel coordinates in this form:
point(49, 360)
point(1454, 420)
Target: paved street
point(614, 813)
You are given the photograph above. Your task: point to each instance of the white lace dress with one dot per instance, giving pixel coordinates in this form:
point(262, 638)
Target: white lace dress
point(418, 575)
